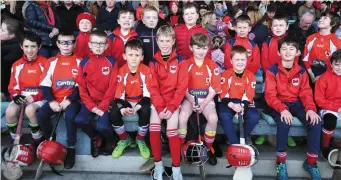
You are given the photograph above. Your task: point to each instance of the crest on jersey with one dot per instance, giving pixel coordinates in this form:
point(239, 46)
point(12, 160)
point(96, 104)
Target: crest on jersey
point(119, 78)
point(216, 71)
point(172, 69)
point(249, 52)
point(327, 53)
point(74, 72)
point(252, 36)
point(105, 70)
point(295, 81)
point(207, 80)
point(222, 80)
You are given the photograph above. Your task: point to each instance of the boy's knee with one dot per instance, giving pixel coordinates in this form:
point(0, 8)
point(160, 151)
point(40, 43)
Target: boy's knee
point(11, 112)
point(213, 118)
point(30, 111)
point(329, 121)
point(81, 120)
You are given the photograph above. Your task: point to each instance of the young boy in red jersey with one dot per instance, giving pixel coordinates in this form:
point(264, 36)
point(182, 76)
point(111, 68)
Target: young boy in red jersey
point(204, 82)
point(321, 45)
point(238, 90)
point(24, 87)
point(169, 85)
point(132, 96)
point(97, 85)
point(59, 87)
point(243, 27)
point(328, 97)
point(85, 23)
point(121, 35)
point(288, 94)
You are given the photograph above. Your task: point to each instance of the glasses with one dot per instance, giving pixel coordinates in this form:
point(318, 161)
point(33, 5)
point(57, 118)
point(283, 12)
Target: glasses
point(98, 44)
point(69, 42)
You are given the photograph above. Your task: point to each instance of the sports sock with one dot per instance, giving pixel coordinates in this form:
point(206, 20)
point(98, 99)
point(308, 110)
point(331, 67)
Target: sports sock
point(182, 135)
point(142, 132)
point(209, 138)
point(174, 145)
point(12, 127)
point(155, 140)
point(281, 157)
point(326, 136)
point(311, 158)
point(35, 131)
point(121, 132)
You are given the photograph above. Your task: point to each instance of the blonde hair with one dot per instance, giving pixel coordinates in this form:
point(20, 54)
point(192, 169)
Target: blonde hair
point(166, 30)
point(254, 15)
point(206, 18)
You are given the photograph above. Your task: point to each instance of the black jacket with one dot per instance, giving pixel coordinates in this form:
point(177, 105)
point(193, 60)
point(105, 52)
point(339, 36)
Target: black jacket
point(68, 17)
point(301, 36)
point(107, 20)
point(259, 33)
point(37, 23)
point(10, 52)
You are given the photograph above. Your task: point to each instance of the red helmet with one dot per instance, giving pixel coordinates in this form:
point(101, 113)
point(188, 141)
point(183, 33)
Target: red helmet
point(24, 154)
point(239, 155)
point(52, 152)
point(194, 153)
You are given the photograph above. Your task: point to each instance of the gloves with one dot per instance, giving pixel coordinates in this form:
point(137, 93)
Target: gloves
point(19, 99)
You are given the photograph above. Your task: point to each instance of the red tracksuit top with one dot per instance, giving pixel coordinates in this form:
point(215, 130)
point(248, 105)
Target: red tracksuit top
point(133, 88)
point(25, 78)
point(59, 78)
point(269, 52)
point(328, 91)
point(320, 47)
point(233, 87)
point(97, 79)
point(183, 37)
point(202, 79)
point(253, 60)
point(116, 45)
point(283, 86)
point(169, 81)
point(82, 49)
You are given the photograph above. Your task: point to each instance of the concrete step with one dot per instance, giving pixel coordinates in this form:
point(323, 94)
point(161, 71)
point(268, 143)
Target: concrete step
point(131, 161)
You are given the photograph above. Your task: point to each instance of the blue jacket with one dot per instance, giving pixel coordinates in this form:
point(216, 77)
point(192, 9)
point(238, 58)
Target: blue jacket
point(107, 21)
point(148, 38)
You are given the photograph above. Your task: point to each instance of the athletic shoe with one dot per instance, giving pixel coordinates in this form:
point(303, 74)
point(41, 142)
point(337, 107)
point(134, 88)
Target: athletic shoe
point(291, 142)
point(312, 170)
point(325, 152)
point(260, 140)
point(95, 146)
point(158, 171)
point(148, 165)
point(108, 149)
point(176, 175)
point(211, 157)
point(70, 158)
point(282, 173)
point(144, 150)
point(121, 145)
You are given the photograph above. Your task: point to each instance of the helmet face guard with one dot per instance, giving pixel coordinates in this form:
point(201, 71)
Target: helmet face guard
point(332, 158)
point(194, 153)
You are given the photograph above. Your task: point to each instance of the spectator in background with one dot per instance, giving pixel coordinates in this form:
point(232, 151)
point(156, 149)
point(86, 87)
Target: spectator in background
point(95, 6)
point(322, 8)
point(10, 50)
point(174, 14)
point(270, 13)
point(301, 29)
point(67, 13)
point(107, 17)
point(140, 8)
point(220, 8)
point(123, 4)
point(209, 22)
point(292, 9)
point(203, 8)
point(217, 52)
point(42, 20)
point(282, 6)
point(13, 9)
point(81, 4)
point(259, 31)
point(338, 32)
point(307, 6)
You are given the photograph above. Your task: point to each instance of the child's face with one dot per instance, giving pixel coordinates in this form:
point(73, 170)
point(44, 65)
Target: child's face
point(30, 49)
point(213, 20)
point(324, 22)
point(288, 52)
point(279, 27)
point(199, 52)
point(85, 25)
point(110, 3)
point(202, 12)
point(66, 44)
point(270, 14)
point(133, 56)
point(175, 9)
point(165, 44)
point(143, 3)
point(243, 29)
point(190, 16)
point(126, 20)
point(219, 6)
point(150, 19)
point(336, 66)
point(239, 61)
point(4, 34)
point(98, 44)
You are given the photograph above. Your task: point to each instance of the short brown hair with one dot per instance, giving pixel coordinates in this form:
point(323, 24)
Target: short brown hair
point(150, 8)
point(134, 44)
point(165, 30)
point(279, 17)
point(243, 19)
point(288, 40)
point(99, 33)
point(238, 49)
point(199, 39)
point(125, 11)
point(334, 19)
point(336, 57)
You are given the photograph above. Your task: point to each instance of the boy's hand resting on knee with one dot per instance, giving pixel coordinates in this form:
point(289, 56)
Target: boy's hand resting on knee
point(55, 106)
point(314, 118)
point(287, 117)
point(64, 104)
point(168, 114)
point(236, 107)
point(29, 99)
point(127, 111)
point(201, 107)
point(97, 111)
point(136, 108)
